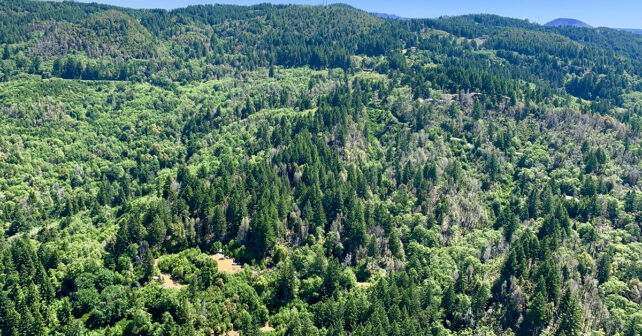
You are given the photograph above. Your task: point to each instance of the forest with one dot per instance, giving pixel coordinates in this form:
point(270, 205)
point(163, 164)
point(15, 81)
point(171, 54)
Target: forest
point(311, 170)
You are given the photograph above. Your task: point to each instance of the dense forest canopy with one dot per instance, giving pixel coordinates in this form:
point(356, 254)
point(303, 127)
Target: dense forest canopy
point(309, 170)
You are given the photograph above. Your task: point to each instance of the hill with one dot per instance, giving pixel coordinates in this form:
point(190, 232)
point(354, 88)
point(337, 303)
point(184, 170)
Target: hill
point(567, 23)
point(312, 170)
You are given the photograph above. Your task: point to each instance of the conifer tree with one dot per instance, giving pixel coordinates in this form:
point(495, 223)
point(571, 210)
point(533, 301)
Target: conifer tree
point(604, 267)
point(538, 313)
point(571, 315)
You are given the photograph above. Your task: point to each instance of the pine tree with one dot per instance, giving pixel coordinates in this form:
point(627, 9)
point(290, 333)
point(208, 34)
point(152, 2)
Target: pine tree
point(382, 218)
point(218, 223)
point(430, 171)
point(8, 315)
point(546, 200)
point(442, 209)
point(492, 167)
point(604, 267)
point(477, 109)
point(538, 314)
point(591, 163)
point(355, 226)
point(262, 233)
point(448, 302)
point(480, 296)
point(156, 231)
point(395, 244)
point(552, 278)
point(237, 208)
point(286, 286)
point(533, 204)
point(571, 315)
point(508, 222)
point(630, 201)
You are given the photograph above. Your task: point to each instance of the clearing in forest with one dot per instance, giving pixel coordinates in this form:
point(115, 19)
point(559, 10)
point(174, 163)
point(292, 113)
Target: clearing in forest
point(363, 284)
point(226, 265)
point(266, 328)
point(166, 279)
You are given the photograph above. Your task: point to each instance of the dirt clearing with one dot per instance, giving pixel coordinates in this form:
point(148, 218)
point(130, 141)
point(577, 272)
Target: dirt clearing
point(226, 265)
point(166, 279)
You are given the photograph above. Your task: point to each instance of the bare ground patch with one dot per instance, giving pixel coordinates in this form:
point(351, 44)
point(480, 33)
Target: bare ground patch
point(166, 279)
point(267, 328)
point(225, 264)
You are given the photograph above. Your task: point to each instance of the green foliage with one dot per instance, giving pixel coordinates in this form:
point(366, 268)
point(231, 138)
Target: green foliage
point(374, 176)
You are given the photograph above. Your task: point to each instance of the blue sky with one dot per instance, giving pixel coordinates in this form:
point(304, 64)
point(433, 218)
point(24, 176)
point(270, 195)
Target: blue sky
point(609, 13)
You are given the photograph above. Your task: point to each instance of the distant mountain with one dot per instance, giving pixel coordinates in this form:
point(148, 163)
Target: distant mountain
point(562, 22)
point(389, 16)
point(634, 31)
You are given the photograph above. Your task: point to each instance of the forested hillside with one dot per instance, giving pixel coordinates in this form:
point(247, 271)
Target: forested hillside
point(299, 170)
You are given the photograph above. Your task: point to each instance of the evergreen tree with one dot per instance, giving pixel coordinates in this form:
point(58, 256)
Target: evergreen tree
point(5, 52)
point(538, 314)
point(571, 315)
point(286, 286)
point(604, 267)
point(533, 203)
point(508, 222)
point(355, 226)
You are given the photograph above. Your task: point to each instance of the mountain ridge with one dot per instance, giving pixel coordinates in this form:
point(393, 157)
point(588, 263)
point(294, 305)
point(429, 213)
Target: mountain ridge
point(389, 16)
point(631, 30)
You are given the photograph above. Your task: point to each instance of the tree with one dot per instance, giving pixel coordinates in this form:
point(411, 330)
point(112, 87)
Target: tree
point(612, 211)
point(508, 222)
point(454, 170)
point(262, 233)
point(591, 163)
point(548, 270)
point(634, 326)
point(480, 296)
point(395, 244)
point(156, 231)
point(355, 226)
point(538, 314)
point(493, 167)
point(9, 315)
point(477, 109)
point(604, 267)
point(217, 223)
point(237, 208)
point(140, 324)
point(430, 171)
point(442, 209)
point(571, 315)
point(5, 52)
point(147, 262)
point(448, 302)
point(286, 283)
point(533, 203)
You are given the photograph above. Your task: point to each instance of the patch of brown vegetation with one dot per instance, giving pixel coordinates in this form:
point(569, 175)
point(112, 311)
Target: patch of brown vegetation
point(363, 284)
